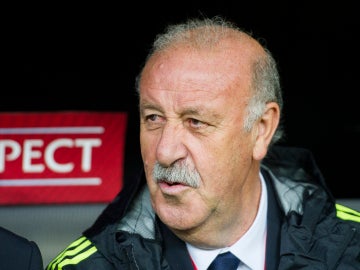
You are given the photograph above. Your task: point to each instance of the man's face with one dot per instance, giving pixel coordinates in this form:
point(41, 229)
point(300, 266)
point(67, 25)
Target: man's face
point(192, 109)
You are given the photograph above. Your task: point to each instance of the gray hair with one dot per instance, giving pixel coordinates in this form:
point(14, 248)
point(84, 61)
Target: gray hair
point(209, 32)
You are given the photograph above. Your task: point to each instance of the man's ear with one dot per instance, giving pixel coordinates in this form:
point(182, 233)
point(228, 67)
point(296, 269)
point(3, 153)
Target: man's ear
point(265, 129)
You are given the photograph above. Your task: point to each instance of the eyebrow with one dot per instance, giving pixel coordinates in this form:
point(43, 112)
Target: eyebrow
point(149, 106)
point(208, 114)
point(192, 111)
point(187, 111)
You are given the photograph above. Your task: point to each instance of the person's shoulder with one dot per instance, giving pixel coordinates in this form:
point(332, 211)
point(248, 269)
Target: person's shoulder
point(290, 157)
point(9, 236)
point(80, 254)
point(18, 252)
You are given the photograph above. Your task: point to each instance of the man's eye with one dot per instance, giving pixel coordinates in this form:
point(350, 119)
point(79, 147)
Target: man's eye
point(151, 117)
point(196, 123)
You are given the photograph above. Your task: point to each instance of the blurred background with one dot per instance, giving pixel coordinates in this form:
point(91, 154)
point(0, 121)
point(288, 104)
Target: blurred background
point(85, 57)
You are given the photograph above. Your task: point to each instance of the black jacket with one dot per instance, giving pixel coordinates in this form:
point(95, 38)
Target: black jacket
point(18, 253)
point(305, 230)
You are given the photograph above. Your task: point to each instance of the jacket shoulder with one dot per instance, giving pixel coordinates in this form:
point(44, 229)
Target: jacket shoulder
point(76, 255)
point(347, 213)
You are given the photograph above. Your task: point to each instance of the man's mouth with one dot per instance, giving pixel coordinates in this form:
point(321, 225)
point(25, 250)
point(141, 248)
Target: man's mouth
point(172, 188)
point(170, 183)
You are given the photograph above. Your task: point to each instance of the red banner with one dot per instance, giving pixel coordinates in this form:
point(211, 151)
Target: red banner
point(61, 157)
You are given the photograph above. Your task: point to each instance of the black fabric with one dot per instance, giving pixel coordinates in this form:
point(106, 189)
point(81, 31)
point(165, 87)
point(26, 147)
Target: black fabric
point(18, 253)
point(129, 256)
point(297, 164)
point(311, 241)
point(117, 208)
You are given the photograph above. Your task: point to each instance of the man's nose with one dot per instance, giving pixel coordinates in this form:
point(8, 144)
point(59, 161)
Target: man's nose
point(171, 147)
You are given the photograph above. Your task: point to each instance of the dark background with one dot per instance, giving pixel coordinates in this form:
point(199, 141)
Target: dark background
point(86, 56)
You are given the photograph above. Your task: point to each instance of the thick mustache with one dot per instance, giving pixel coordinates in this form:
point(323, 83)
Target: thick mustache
point(176, 173)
